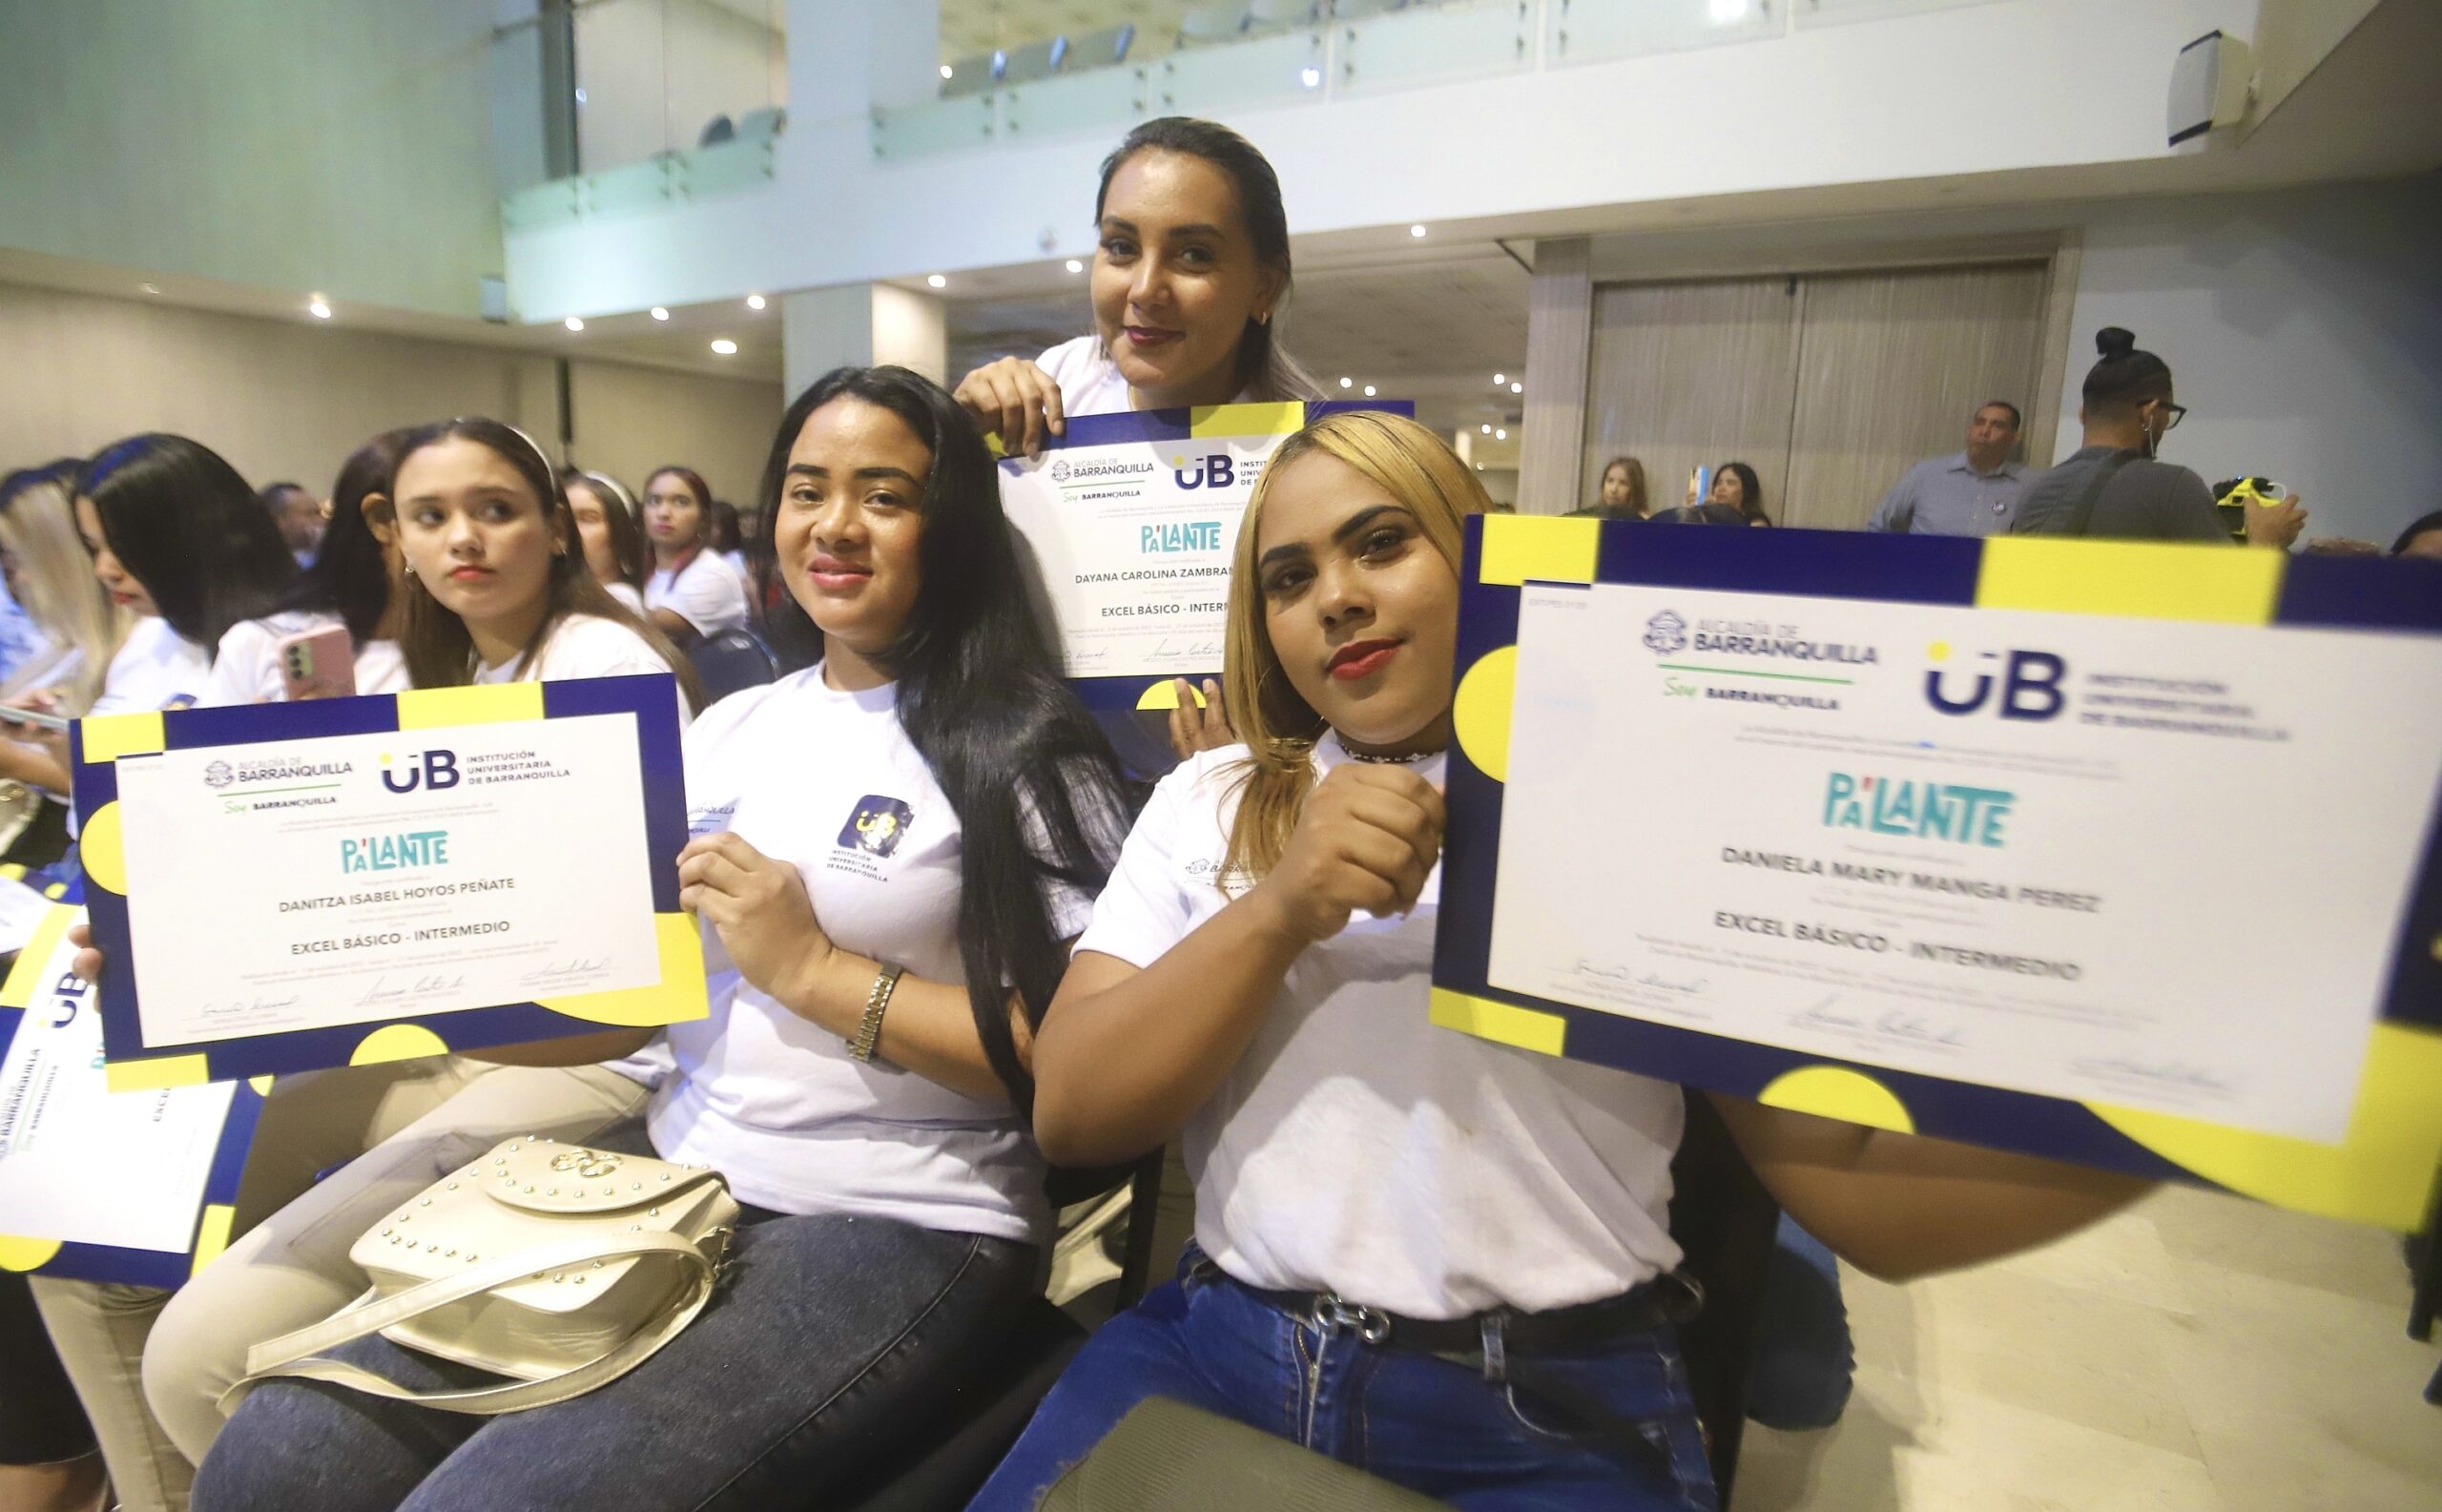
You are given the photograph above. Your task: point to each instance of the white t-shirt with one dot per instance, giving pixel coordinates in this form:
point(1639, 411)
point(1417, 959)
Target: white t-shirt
point(1356, 1149)
point(247, 669)
point(582, 646)
point(704, 592)
point(1089, 382)
point(626, 593)
point(827, 781)
point(156, 667)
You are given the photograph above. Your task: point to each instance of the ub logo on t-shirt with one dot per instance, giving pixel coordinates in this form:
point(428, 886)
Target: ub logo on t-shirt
point(877, 826)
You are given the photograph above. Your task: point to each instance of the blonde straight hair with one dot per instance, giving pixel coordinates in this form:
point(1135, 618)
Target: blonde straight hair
point(56, 584)
point(1417, 468)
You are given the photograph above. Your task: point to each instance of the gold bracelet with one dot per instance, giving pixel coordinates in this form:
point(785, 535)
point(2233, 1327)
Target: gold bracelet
point(876, 1003)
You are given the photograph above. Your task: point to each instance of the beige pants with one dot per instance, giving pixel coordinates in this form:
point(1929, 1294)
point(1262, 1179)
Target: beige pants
point(311, 1122)
point(293, 1269)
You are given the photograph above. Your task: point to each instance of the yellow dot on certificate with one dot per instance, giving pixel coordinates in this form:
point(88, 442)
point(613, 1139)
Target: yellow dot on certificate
point(1938, 651)
point(1178, 461)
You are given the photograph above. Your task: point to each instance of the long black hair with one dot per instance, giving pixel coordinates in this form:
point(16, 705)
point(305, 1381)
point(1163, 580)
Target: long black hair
point(186, 525)
point(1038, 792)
point(1264, 369)
point(440, 652)
point(1750, 490)
point(2124, 377)
point(351, 573)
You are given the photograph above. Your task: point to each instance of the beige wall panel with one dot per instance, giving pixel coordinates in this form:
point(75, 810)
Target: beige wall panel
point(632, 419)
point(1685, 375)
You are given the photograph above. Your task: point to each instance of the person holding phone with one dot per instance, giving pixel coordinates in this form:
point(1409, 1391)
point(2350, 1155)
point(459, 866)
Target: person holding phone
point(1444, 1260)
point(337, 630)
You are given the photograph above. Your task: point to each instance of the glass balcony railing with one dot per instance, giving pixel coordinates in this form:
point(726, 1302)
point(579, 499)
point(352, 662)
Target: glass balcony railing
point(602, 105)
point(1124, 62)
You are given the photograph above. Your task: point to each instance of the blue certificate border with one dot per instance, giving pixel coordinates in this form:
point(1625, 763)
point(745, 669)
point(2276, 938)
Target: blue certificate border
point(653, 700)
point(42, 1256)
point(2383, 1173)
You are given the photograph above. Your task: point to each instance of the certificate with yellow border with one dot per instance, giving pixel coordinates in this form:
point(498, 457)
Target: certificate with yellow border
point(2122, 853)
point(285, 886)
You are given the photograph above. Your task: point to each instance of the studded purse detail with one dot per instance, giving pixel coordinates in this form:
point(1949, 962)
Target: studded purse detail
point(559, 1266)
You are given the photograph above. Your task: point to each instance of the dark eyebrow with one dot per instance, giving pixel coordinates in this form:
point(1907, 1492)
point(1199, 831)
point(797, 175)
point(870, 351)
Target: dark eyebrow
point(1347, 528)
point(810, 470)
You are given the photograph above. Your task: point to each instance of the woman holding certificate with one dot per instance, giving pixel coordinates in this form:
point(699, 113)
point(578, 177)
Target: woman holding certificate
point(1442, 1259)
point(891, 849)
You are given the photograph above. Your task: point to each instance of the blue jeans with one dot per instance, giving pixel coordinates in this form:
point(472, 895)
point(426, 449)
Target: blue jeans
point(1428, 1424)
point(1804, 1360)
point(832, 1338)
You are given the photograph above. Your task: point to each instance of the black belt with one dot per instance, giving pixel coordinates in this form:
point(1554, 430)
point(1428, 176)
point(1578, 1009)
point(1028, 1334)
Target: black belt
point(1490, 1338)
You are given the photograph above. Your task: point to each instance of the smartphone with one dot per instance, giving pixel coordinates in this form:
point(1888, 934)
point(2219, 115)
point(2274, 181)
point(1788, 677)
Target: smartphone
point(318, 664)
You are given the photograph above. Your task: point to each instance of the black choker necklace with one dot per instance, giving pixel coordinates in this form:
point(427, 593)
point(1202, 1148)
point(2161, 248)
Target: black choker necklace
point(1392, 760)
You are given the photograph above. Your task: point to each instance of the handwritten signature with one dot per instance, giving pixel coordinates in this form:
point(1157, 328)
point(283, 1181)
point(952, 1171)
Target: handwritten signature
point(566, 970)
point(224, 1011)
point(1202, 653)
point(1897, 1023)
point(424, 986)
point(2168, 1073)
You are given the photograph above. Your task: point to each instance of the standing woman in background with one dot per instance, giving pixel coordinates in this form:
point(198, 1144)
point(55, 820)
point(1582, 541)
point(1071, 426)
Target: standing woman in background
point(1190, 269)
point(693, 594)
point(354, 581)
point(606, 524)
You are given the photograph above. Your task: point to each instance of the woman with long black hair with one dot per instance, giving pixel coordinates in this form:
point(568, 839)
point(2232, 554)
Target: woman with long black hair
point(891, 850)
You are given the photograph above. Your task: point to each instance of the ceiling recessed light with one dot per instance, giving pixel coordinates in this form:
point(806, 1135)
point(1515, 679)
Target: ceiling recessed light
point(1501, 435)
point(659, 313)
point(1075, 266)
point(1499, 378)
point(1416, 231)
point(946, 71)
point(150, 288)
point(573, 323)
point(725, 347)
point(1517, 388)
point(1311, 76)
point(1369, 390)
point(938, 282)
point(1348, 383)
point(318, 308)
point(755, 301)
point(1487, 431)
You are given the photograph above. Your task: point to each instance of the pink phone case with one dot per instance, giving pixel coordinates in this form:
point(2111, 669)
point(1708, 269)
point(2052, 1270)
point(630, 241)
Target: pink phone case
point(318, 664)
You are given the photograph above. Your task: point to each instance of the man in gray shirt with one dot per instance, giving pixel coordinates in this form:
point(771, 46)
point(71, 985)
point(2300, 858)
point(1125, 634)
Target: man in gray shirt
point(1973, 492)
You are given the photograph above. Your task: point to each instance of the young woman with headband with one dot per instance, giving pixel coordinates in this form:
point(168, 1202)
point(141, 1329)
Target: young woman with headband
point(614, 543)
point(690, 593)
point(1442, 1259)
point(886, 923)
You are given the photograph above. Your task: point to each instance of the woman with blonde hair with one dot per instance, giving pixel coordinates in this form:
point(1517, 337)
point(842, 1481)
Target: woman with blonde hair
point(1444, 1260)
point(49, 573)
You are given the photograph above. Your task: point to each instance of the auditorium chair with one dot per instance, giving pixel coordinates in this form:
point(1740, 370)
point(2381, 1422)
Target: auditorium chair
point(729, 661)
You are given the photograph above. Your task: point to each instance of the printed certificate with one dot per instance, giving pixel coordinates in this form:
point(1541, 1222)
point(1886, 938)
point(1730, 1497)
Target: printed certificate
point(278, 878)
point(2057, 852)
point(1132, 519)
point(109, 1186)
point(2126, 854)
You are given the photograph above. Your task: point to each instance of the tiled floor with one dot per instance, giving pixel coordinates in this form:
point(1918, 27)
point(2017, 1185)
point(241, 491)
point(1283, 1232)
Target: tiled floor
point(2195, 1354)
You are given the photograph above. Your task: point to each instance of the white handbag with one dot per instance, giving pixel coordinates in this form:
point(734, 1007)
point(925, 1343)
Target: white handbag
point(558, 1264)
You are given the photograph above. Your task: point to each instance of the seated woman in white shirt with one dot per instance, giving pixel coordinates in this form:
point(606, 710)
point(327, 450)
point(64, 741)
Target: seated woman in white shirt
point(690, 593)
point(354, 581)
point(490, 588)
point(606, 522)
point(891, 850)
point(1444, 1260)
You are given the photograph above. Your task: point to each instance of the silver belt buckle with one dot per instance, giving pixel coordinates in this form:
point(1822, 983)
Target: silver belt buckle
point(1333, 1314)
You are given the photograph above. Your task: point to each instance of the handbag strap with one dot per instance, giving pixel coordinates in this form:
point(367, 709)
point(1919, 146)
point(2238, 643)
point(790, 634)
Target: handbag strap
point(2081, 514)
point(297, 1355)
